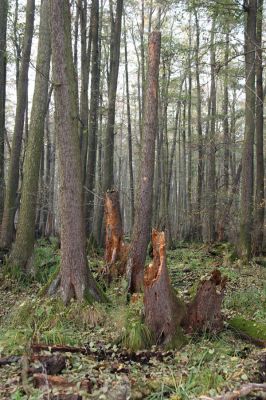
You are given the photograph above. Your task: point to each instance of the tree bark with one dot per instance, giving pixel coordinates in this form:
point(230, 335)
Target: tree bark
point(141, 229)
point(24, 244)
point(13, 173)
point(76, 279)
point(259, 194)
point(3, 61)
point(248, 156)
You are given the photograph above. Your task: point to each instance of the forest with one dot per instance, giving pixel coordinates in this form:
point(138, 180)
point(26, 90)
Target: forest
point(132, 206)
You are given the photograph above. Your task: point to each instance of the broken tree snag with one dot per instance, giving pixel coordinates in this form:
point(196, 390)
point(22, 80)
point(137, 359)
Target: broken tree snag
point(115, 249)
point(163, 311)
point(204, 312)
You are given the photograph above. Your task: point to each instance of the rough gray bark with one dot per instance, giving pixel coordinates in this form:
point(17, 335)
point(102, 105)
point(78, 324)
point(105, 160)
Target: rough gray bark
point(141, 229)
point(13, 172)
point(76, 279)
point(248, 156)
point(3, 25)
point(24, 244)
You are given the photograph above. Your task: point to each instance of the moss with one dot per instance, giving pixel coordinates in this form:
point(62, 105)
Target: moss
point(43, 291)
point(255, 330)
point(178, 341)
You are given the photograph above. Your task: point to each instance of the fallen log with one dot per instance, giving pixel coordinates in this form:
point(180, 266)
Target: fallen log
point(242, 391)
point(253, 331)
point(38, 347)
point(9, 360)
point(51, 365)
point(163, 311)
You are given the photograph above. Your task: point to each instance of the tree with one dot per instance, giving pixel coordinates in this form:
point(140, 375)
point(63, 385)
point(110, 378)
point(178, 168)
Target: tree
point(142, 223)
point(76, 279)
point(23, 246)
point(259, 194)
point(3, 25)
point(248, 156)
point(13, 172)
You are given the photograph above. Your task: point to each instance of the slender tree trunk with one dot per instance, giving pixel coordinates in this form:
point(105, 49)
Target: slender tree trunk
point(248, 156)
point(93, 116)
point(130, 156)
point(189, 134)
point(200, 139)
point(259, 195)
point(76, 279)
point(3, 59)
point(23, 247)
point(141, 230)
point(211, 183)
point(13, 173)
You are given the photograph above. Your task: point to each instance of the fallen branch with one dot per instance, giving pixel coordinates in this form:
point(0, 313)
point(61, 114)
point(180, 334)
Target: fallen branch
point(9, 360)
point(44, 380)
point(242, 391)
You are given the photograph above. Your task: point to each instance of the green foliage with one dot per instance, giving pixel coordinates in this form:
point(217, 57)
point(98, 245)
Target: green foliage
point(136, 335)
point(46, 260)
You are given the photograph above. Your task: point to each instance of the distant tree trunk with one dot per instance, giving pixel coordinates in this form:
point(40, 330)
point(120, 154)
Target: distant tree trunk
point(211, 183)
point(93, 116)
point(76, 279)
point(23, 246)
point(248, 156)
point(108, 174)
point(13, 172)
point(141, 229)
point(3, 58)
point(189, 134)
point(130, 160)
point(200, 140)
point(259, 195)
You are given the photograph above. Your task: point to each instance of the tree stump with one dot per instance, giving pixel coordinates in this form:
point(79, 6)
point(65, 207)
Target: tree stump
point(204, 312)
point(115, 249)
point(163, 311)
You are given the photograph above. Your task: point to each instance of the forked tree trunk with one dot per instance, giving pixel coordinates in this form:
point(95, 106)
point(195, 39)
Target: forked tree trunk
point(142, 223)
point(163, 311)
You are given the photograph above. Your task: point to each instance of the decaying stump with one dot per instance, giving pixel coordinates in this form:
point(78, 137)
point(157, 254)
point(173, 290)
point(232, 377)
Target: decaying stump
point(115, 249)
point(165, 314)
point(163, 311)
point(204, 312)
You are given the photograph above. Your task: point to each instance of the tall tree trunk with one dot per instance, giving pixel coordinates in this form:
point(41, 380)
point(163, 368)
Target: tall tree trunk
point(108, 172)
point(13, 173)
point(3, 58)
point(211, 183)
point(93, 116)
point(189, 134)
point(200, 140)
point(23, 247)
point(130, 157)
point(248, 156)
point(76, 279)
point(259, 195)
point(141, 230)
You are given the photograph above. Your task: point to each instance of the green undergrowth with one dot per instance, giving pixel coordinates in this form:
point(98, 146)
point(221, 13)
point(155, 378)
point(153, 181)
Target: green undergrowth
point(206, 364)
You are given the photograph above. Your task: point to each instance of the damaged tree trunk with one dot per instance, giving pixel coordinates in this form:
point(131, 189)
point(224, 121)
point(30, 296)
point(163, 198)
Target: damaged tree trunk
point(165, 314)
point(163, 311)
point(115, 249)
point(204, 312)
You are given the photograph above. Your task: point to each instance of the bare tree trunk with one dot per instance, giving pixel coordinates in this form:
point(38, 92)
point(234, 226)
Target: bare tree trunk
point(248, 156)
point(23, 247)
point(3, 60)
point(130, 161)
point(259, 195)
point(13, 173)
point(141, 230)
point(93, 116)
point(200, 140)
point(76, 279)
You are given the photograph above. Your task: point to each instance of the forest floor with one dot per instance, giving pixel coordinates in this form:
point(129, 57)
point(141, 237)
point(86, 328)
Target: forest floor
point(206, 365)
